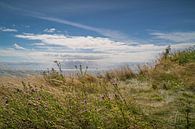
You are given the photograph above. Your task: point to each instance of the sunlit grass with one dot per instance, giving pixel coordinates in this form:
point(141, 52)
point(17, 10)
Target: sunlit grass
point(154, 97)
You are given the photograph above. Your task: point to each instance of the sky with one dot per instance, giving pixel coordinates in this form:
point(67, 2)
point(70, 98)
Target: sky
point(97, 33)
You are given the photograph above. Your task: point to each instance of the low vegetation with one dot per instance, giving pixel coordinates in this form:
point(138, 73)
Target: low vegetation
point(155, 97)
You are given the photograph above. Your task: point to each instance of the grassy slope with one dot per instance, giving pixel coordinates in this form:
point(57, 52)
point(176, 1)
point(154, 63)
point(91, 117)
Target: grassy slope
point(159, 97)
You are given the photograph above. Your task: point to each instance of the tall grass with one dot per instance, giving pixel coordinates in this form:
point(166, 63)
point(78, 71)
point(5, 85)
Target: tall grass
point(122, 73)
point(117, 99)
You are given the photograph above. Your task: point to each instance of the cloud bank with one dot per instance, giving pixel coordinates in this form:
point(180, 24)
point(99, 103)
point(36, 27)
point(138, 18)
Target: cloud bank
point(176, 36)
point(65, 48)
point(100, 52)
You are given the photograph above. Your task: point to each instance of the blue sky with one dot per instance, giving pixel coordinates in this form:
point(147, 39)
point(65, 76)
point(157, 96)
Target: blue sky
point(95, 32)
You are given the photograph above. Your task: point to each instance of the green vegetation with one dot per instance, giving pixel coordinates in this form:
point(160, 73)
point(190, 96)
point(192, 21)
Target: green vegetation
point(156, 97)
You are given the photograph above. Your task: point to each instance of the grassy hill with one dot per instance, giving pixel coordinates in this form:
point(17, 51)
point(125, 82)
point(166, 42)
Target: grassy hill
point(160, 96)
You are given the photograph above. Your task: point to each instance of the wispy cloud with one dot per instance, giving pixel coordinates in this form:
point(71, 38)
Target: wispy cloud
point(18, 47)
point(113, 34)
point(4, 29)
point(49, 30)
point(177, 37)
point(116, 35)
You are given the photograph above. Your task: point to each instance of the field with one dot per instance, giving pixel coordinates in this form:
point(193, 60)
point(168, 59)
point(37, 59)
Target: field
point(157, 97)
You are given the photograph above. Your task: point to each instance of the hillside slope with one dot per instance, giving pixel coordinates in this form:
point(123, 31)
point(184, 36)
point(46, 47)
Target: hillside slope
point(156, 97)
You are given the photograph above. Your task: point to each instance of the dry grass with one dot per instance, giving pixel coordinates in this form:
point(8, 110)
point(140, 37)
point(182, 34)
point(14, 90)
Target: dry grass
point(122, 73)
point(159, 97)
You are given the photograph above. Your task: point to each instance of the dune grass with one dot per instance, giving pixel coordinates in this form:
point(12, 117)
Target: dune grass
point(156, 97)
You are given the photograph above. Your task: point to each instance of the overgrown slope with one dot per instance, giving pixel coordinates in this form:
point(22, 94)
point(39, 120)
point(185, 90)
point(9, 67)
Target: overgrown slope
point(156, 97)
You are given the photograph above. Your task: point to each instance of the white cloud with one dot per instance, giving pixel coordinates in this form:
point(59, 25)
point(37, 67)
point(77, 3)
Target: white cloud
point(176, 36)
point(18, 47)
point(98, 44)
point(140, 53)
point(38, 44)
point(4, 29)
point(75, 42)
point(26, 56)
point(101, 50)
point(49, 30)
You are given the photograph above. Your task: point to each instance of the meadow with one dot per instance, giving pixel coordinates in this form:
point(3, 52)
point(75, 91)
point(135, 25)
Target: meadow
point(156, 97)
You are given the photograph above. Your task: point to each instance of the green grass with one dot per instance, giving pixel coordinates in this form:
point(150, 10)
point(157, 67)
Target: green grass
point(159, 97)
